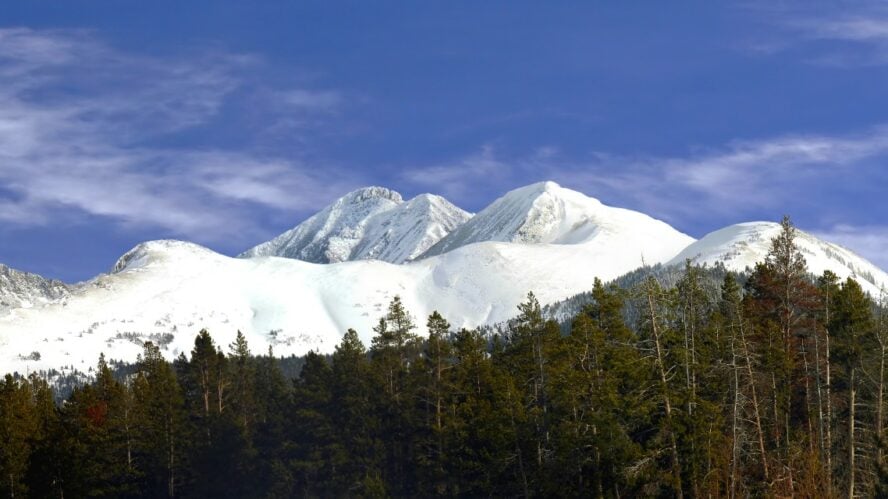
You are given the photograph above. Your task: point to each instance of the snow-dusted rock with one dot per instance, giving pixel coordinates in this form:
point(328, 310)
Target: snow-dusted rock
point(24, 290)
point(373, 223)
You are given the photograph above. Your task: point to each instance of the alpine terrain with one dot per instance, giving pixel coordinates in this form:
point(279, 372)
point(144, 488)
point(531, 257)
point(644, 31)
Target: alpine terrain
point(373, 223)
point(25, 290)
point(740, 246)
point(341, 267)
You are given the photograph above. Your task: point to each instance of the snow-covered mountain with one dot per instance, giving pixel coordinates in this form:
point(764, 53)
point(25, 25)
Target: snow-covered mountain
point(743, 245)
point(166, 291)
point(25, 290)
point(373, 223)
point(544, 238)
point(548, 213)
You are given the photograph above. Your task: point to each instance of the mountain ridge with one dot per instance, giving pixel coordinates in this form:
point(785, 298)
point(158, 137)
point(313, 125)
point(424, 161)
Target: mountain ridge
point(742, 245)
point(368, 223)
point(554, 241)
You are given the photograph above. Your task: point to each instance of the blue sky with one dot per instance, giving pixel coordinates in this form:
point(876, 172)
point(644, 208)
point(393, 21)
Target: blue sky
point(226, 123)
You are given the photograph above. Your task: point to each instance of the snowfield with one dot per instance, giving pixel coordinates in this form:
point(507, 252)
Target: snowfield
point(473, 269)
point(741, 246)
point(166, 291)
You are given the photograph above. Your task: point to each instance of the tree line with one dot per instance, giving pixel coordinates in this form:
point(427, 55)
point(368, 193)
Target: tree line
point(775, 388)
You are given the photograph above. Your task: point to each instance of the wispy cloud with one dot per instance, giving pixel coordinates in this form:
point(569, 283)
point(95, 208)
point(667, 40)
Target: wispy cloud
point(729, 177)
point(764, 172)
point(83, 129)
point(464, 177)
point(741, 179)
point(854, 28)
point(325, 100)
point(849, 35)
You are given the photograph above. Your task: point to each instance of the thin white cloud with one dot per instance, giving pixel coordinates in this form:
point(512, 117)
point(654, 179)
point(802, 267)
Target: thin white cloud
point(77, 120)
point(758, 171)
point(464, 177)
point(850, 35)
point(307, 99)
point(860, 29)
point(718, 183)
point(734, 175)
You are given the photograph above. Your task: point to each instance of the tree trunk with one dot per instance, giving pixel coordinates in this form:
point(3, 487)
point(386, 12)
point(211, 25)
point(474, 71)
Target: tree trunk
point(818, 383)
point(880, 404)
point(171, 484)
point(734, 417)
point(655, 329)
point(851, 450)
point(880, 334)
point(517, 445)
point(828, 389)
point(755, 403)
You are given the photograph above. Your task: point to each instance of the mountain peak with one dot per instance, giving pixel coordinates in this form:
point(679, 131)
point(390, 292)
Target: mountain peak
point(373, 192)
point(543, 186)
point(742, 245)
point(148, 251)
point(368, 223)
point(546, 213)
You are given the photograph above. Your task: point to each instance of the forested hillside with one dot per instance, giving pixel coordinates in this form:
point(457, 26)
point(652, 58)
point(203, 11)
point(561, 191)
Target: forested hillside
point(774, 387)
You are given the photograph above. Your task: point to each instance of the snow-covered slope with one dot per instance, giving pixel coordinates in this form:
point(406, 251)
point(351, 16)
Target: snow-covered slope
point(548, 213)
point(166, 291)
point(543, 238)
point(24, 290)
point(370, 223)
point(743, 245)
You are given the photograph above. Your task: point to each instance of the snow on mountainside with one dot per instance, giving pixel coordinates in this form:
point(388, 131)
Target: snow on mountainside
point(544, 238)
point(743, 245)
point(370, 223)
point(166, 291)
point(23, 290)
point(548, 213)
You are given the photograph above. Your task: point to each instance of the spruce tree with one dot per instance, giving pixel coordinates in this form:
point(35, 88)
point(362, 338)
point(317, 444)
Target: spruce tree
point(313, 431)
point(358, 459)
point(242, 383)
point(393, 353)
point(853, 327)
point(18, 422)
point(434, 389)
point(160, 425)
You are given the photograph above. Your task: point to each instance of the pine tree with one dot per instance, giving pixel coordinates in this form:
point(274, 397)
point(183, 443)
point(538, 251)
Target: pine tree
point(203, 372)
point(600, 401)
point(18, 422)
point(481, 435)
point(272, 395)
point(359, 452)
point(242, 382)
point(746, 404)
point(435, 388)
point(394, 350)
point(159, 424)
point(313, 429)
point(49, 467)
point(654, 327)
point(534, 342)
point(828, 286)
point(852, 325)
point(783, 302)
